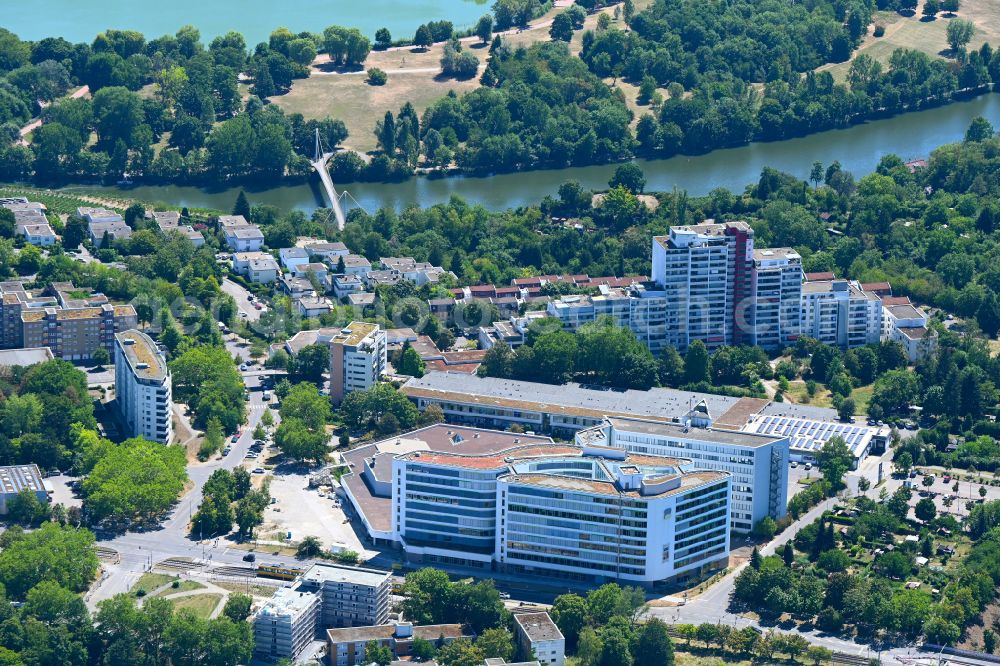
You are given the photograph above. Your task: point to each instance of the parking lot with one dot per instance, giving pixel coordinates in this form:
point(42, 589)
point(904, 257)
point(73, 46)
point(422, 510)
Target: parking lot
point(943, 492)
point(61, 491)
point(303, 512)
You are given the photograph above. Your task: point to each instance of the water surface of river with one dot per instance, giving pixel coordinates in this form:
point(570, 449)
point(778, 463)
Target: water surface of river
point(859, 149)
point(81, 20)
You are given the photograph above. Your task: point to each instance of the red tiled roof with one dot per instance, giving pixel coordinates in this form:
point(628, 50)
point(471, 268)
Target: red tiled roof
point(821, 276)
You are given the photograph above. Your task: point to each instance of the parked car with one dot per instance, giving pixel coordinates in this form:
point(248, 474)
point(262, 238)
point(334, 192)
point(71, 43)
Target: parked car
point(258, 470)
point(249, 557)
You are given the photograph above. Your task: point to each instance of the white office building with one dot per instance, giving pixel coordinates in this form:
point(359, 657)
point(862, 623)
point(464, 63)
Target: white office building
point(142, 387)
point(358, 357)
point(592, 514)
point(758, 463)
point(772, 312)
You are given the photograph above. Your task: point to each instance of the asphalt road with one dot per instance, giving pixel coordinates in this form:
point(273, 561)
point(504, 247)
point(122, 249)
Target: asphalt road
point(245, 306)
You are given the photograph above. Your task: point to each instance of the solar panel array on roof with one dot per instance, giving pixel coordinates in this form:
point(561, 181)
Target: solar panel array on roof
point(809, 435)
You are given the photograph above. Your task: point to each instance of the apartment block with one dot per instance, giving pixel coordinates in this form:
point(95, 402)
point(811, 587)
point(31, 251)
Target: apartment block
point(349, 596)
point(539, 638)
point(143, 392)
point(840, 313)
point(72, 333)
point(346, 647)
point(758, 463)
point(704, 271)
point(906, 324)
point(419, 272)
point(357, 358)
point(591, 514)
point(772, 311)
point(286, 624)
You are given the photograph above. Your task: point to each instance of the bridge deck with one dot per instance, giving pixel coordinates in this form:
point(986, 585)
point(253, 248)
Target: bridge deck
point(331, 191)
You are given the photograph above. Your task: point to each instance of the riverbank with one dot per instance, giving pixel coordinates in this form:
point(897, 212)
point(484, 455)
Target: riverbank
point(858, 148)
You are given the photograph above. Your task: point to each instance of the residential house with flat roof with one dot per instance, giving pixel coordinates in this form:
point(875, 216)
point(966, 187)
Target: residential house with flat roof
point(539, 638)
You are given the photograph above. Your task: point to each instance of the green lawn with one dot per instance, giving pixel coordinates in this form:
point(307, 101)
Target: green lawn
point(201, 605)
point(151, 581)
point(182, 586)
point(823, 398)
point(927, 36)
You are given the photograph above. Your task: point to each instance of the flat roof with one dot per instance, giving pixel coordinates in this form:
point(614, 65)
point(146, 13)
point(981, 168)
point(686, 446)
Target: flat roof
point(808, 436)
point(734, 437)
point(538, 626)
point(25, 357)
point(325, 573)
point(904, 312)
point(915, 332)
point(288, 601)
point(572, 399)
point(15, 478)
point(354, 333)
point(430, 632)
point(140, 349)
point(438, 437)
point(687, 482)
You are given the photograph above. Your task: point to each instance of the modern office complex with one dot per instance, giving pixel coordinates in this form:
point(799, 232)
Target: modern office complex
point(324, 596)
point(501, 501)
point(583, 513)
point(492, 402)
point(357, 358)
point(73, 323)
point(758, 463)
point(142, 387)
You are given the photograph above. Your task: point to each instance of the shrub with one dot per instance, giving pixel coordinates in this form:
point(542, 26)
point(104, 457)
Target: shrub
point(377, 77)
point(879, 29)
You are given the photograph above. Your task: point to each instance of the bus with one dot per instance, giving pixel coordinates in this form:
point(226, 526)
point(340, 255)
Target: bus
point(278, 571)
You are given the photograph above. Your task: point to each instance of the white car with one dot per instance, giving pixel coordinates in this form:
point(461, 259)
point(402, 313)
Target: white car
point(258, 470)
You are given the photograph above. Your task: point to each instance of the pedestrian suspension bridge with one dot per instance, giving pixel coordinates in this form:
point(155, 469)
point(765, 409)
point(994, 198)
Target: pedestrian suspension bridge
point(319, 163)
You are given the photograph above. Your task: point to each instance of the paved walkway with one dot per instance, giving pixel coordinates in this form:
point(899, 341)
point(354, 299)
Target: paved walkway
point(37, 122)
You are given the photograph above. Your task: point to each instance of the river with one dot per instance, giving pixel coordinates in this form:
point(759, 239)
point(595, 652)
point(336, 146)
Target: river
point(81, 20)
point(858, 149)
